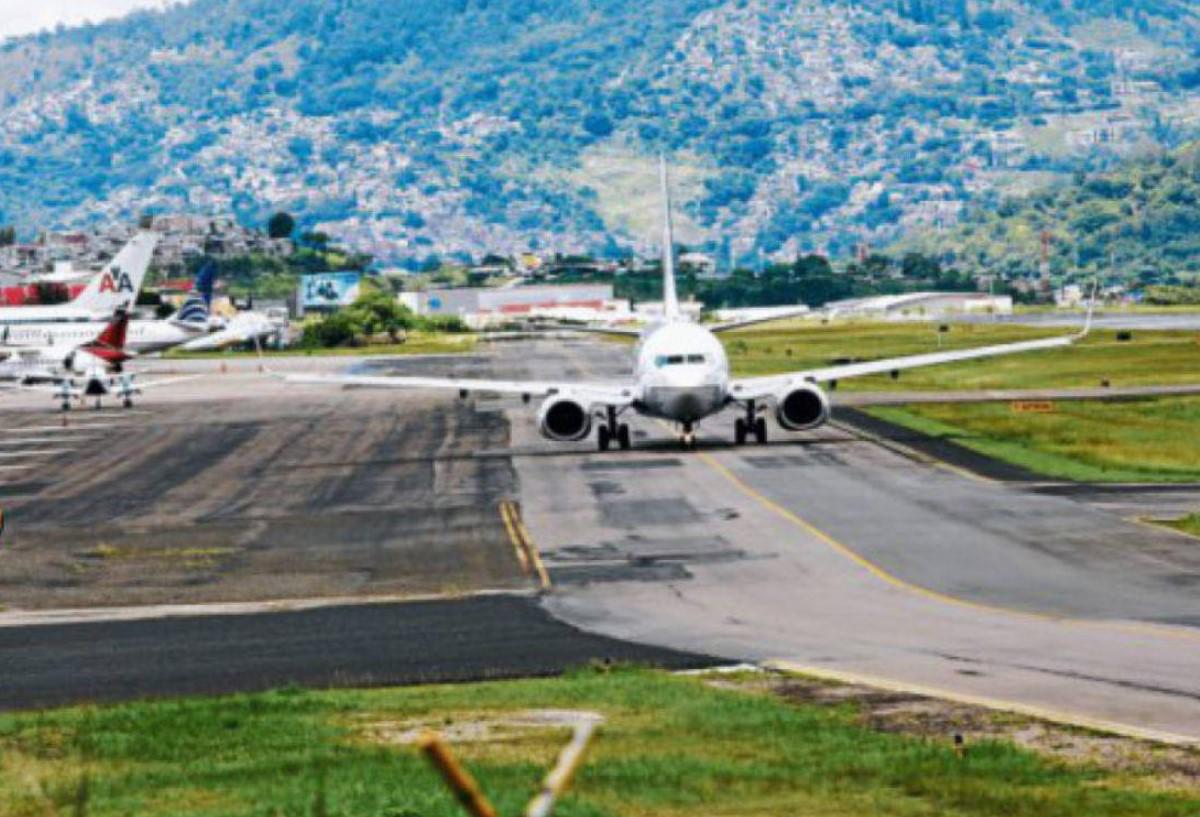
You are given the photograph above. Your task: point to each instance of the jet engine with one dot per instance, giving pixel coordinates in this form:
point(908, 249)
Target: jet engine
point(802, 408)
point(563, 419)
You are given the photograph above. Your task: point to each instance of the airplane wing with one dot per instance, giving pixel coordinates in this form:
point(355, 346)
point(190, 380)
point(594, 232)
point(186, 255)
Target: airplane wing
point(623, 331)
point(781, 315)
point(761, 387)
point(609, 394)
point(56, 386)
point(166, 381)
point(586, 328)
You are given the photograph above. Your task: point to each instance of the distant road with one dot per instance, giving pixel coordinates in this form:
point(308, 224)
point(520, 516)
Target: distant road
point(894, 398)
point(1187, 321)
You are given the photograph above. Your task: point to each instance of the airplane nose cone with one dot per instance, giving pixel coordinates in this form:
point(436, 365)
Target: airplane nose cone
point(688, 405)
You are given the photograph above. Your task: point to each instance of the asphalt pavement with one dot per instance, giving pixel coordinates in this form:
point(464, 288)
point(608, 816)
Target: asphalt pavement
point(832, 550)
point(357, 645)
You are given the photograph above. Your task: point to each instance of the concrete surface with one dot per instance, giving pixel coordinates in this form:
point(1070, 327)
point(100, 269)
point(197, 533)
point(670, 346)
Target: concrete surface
point(825, 549)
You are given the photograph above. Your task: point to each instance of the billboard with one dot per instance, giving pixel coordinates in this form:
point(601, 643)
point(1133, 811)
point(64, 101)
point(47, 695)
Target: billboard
point(329, 290)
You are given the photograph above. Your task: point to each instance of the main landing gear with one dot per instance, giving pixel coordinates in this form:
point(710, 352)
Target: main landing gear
point(611, 431)
point(752, 423)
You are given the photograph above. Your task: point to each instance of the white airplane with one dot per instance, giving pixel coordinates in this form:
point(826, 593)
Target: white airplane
point(242, 328)
point(76, 371)
point(681, 374)
point(192, 320)
point(114, 287)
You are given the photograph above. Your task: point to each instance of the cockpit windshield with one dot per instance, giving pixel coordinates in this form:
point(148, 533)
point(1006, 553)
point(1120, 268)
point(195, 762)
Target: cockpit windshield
point(678, 360)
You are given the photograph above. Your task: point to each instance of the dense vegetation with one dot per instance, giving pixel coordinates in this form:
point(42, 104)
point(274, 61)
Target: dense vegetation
point(375, 316)
point(430, 128)
point(268, 276)
point(1139, 223)
point(810, 279)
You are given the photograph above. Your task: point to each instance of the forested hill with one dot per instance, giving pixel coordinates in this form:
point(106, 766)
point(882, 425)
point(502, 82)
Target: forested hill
point(414, 129)
point(1138, 223)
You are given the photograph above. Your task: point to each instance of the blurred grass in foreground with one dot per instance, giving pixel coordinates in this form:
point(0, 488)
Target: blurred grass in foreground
point(670, 746)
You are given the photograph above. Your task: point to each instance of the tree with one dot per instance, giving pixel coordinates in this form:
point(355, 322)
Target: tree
point(8, 236)
point(281, 225)
point(316, 240)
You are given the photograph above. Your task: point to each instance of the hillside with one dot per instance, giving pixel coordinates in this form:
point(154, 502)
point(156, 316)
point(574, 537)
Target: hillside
point(419, 129)
point(1138, 223)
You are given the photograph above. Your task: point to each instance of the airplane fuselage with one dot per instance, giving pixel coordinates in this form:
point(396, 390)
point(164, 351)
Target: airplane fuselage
point(144, 336)
point(682, 371)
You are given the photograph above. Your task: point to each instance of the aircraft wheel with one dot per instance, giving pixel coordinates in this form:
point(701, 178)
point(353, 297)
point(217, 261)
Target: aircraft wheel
point(623, 437)
point(127, 402)
point(603, 437)
point(760, 430)
point(739, 431)
point(66, 405)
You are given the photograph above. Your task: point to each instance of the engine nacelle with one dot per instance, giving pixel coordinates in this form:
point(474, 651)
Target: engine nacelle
point(564, 420)
point(802, 408)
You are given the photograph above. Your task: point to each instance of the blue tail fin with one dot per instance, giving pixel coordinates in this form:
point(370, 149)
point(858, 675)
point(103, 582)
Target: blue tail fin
point(206, 277)
point(195, 310)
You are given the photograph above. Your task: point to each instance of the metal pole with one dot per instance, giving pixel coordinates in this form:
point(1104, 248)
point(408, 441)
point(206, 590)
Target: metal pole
point(564, 770)
point(460, 782)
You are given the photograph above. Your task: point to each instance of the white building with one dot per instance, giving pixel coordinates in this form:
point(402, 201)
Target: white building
point(487, 306)
point(918, 306)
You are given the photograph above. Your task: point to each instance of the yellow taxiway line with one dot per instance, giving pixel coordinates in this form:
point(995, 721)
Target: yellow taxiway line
point(934, 595)
point(527, 551)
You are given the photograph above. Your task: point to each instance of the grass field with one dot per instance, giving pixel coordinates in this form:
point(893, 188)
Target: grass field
point(1150, 358)
point(1135, 441)
point(1154, 440)
point(1188, 524)
point(669, 746)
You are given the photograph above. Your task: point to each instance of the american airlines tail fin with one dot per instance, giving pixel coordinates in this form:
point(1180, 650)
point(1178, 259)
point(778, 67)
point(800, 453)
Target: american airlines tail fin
point(195, 309)
point(670, 298)
point(117, 285)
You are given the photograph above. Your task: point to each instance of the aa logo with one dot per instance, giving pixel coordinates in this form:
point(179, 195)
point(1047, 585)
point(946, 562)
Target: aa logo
point(116, 281)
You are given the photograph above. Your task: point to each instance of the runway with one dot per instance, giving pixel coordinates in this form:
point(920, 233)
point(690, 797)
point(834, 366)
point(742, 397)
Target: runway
point(828, 549)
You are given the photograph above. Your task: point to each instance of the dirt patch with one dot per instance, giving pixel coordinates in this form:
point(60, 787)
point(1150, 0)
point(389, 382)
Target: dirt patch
point(1148, 764)
point(480, 728)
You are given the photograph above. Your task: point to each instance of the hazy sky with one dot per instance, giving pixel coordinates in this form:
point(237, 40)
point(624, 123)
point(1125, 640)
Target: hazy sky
point(26, 17)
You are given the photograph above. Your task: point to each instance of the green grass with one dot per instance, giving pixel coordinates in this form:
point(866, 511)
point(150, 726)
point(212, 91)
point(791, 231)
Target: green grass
point(1154, 440)
point(669, 746)
point(1134, 441)
point(1150, 358)
point(1188, 524)
point(417, 344)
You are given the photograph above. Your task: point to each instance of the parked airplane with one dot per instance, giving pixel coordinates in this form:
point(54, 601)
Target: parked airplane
point(681, 374)
point(115, 287)
point(98, 365)
point(192, 320)
point(246, 327)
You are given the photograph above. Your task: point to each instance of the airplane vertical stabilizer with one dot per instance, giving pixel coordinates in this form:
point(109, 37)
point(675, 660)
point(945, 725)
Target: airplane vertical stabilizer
point(670, 298)
point(117, 285)
point(195, 309)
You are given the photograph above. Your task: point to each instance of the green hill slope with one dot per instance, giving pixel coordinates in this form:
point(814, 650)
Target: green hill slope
point(1139, 222)
point(426, 128)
